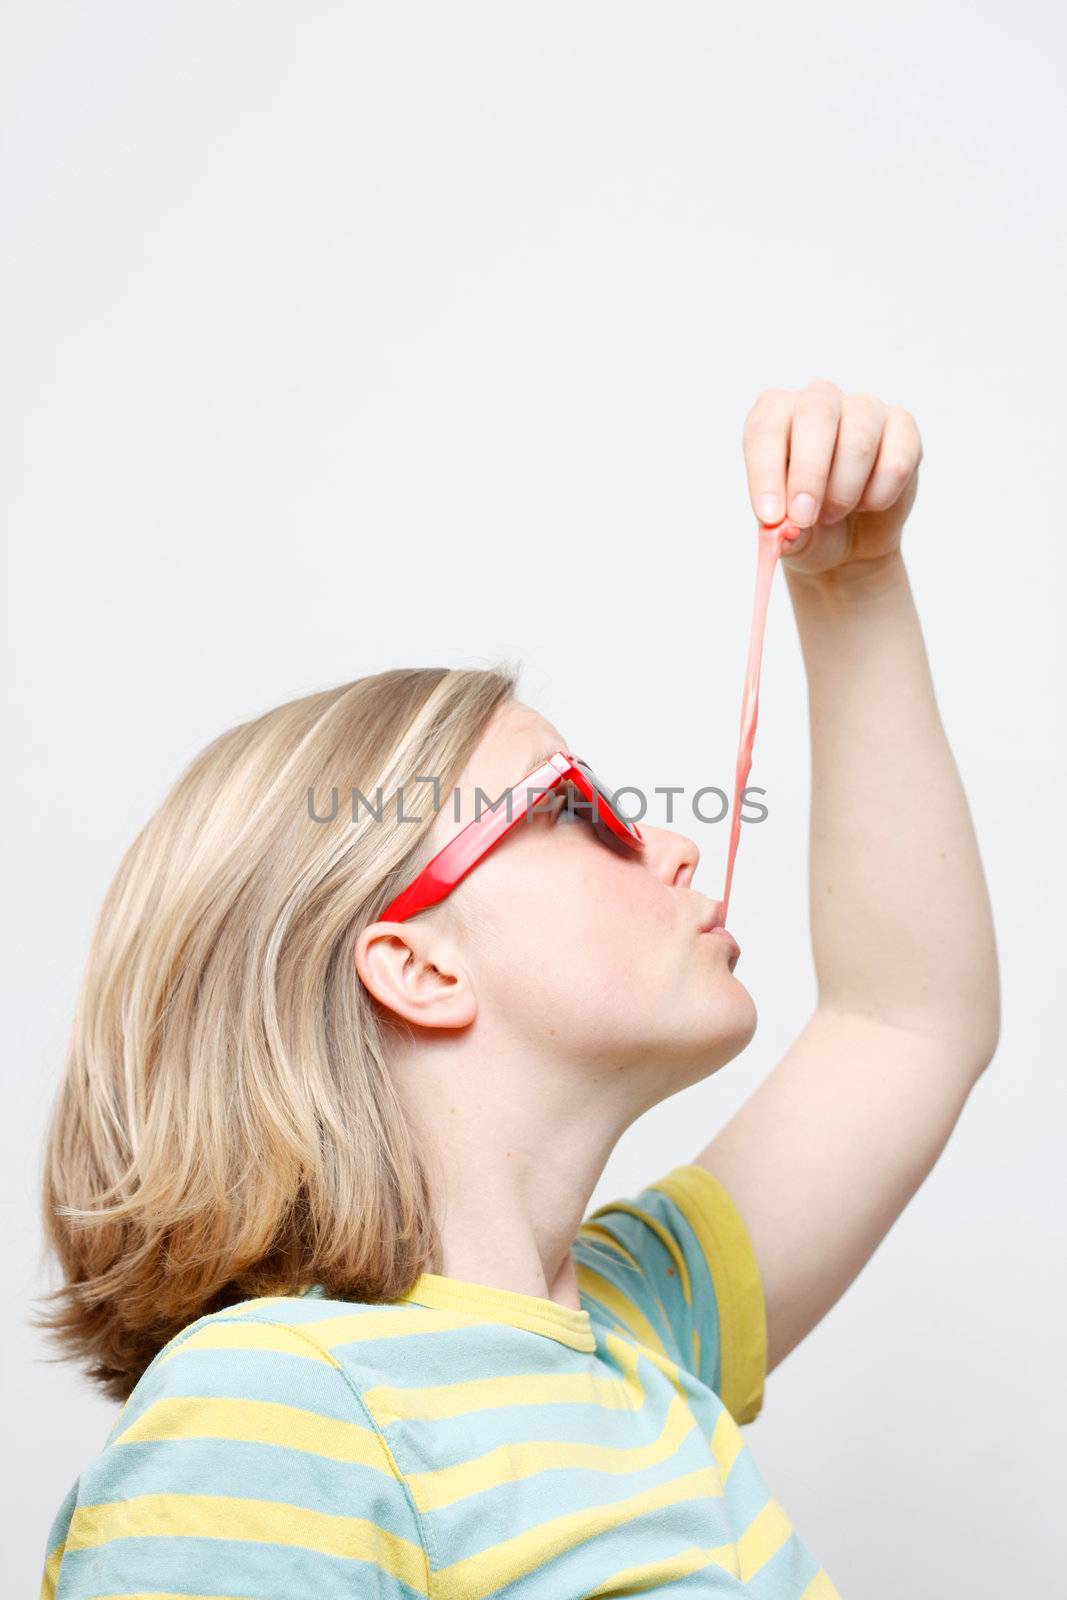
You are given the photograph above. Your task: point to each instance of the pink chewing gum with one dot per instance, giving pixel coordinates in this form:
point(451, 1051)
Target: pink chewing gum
point(771, 540)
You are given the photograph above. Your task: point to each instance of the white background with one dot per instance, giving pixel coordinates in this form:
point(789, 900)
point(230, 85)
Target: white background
point(340, 337)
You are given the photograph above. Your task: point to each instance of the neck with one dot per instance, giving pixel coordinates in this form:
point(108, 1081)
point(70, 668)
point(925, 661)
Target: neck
point(515, 1147)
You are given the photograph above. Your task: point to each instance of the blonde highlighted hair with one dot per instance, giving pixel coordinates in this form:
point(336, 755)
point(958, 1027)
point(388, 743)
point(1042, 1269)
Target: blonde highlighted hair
point(226, 1126)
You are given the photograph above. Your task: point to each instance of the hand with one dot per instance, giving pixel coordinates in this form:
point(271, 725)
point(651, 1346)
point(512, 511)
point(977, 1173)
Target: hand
point(855, 457)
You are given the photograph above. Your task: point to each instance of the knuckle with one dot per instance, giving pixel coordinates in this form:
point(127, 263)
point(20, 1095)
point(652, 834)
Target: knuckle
point(906, 423)
point(899, 464)
point(818, 408)
point(859, 440)
point(805, 471)
point(762, 409)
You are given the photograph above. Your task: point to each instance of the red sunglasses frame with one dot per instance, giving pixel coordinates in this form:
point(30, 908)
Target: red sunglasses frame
point(451, 863)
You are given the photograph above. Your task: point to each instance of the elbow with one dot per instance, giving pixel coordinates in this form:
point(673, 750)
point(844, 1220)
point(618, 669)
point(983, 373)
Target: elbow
point(974, 1038)
point(966, 1035)
point(987, 1046)
point(989, 1031)
point(980, 1052)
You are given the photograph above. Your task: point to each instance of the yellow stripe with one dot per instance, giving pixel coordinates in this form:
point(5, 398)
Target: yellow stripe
point(726, 1443)
point(433, 1402)
point(50, 1576)
point(653, 1575)
point(732, 1263)
point(763, 1538)
point(592, 1233)
point(515, 1462)
point(596, 1233)
point(324, 1334)
point(204, 1516)
point(820, 1588)
point(508, 1560)
point(481, 1303)
point(257, 1422)
point(388, 1322)
point(621, 1307)
point(663, 1234)
point(249, 1336)
point(627, 1357)
point(247, 1308)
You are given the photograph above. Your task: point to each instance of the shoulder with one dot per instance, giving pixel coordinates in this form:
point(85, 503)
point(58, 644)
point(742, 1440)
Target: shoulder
point(247, 1435)
point(301, 1350)
point(674, 1266)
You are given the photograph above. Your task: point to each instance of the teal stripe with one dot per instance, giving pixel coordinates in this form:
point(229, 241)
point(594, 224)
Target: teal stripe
point(656, 1537)
point(472, 1351)
point(194, 1566)
point(789, 1572)
point(237, 1467)
point(466, 1353)
point(641, 1290)
point(457, 1438)
point(657, 1292)
point(703, 1312)
point(61, 1521)
point(745, 1490)
point(526, 1504)
point(247, 1374)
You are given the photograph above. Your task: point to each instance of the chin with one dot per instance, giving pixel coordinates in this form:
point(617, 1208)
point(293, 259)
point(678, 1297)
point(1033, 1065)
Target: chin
point(722, 1034)
point(734, 1022)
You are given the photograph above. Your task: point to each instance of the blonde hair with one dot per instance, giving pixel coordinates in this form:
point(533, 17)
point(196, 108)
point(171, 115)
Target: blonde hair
point(226, 1126)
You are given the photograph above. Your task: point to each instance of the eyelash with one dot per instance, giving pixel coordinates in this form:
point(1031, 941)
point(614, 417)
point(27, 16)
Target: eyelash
point(564, 800)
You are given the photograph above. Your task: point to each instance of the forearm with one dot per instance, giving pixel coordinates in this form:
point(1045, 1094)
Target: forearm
point(901, 924)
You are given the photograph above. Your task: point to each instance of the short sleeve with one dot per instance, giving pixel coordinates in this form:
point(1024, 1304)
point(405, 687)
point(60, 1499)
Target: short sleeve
point(244, 1463)
point(674, 1267)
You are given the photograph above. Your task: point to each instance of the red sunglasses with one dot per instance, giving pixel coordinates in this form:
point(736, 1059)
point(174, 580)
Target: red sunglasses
point(441, 874)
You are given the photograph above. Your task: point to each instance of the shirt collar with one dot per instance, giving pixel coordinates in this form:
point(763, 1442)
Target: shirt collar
point(485, 1303)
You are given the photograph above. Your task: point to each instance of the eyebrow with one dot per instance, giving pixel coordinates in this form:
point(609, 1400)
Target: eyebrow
point(544, 755)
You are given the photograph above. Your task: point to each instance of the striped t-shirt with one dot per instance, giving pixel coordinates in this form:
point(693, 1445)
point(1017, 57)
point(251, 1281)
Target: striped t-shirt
point(462, 1443)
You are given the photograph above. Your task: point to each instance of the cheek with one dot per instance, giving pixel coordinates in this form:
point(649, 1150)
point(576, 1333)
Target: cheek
point(633, 908)
point(590, 942)
point(561, 949)
point(628, 938)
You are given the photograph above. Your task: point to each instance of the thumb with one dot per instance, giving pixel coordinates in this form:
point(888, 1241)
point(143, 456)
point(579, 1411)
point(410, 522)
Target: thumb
point(818, 548)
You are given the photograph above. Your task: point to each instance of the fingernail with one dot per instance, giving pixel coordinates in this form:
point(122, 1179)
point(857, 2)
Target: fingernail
point(770, 508)
point(802, 510)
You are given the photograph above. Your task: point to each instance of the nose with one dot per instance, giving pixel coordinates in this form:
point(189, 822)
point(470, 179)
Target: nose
point(672, 856)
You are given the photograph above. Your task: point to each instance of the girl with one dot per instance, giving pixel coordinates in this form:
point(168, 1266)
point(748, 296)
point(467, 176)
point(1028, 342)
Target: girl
point(353, 1049)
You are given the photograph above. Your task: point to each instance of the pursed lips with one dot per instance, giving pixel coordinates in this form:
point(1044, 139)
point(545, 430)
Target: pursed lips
point(714, 925)
point(724, 933)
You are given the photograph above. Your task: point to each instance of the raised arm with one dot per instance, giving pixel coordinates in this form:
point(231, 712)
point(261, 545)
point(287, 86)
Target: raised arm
point(826, 1153)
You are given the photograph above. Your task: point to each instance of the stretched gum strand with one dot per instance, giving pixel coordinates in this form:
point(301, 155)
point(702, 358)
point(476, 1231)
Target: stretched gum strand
point(771, 540)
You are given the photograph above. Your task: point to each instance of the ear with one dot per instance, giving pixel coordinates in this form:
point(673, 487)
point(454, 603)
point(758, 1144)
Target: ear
point(416, 972)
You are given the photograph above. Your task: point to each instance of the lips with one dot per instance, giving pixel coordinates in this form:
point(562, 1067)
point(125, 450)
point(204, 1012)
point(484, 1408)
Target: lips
point(735, 952)
point(713, 924)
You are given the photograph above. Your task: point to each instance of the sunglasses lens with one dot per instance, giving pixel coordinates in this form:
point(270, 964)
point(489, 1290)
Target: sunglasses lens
point(603, 828)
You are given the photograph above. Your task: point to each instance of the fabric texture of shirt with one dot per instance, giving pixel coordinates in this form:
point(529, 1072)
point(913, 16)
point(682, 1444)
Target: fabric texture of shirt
point(461, 1443)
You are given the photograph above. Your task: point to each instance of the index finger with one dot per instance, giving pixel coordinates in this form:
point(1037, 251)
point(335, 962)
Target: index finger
point(766, 442)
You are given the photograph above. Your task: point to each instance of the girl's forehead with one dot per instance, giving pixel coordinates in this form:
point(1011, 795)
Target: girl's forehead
point(517, 740)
